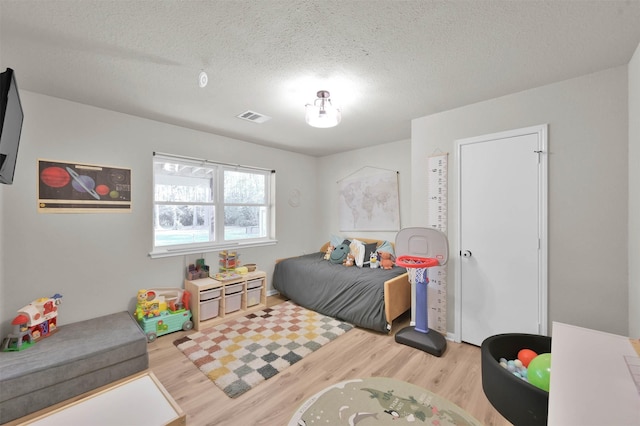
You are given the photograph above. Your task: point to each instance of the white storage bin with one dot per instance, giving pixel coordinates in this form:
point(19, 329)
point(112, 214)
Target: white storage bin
point(232, 302)
point(234, 288)
point(210, 294)
point(209, 309)
point(254, 284)
point(254, 295)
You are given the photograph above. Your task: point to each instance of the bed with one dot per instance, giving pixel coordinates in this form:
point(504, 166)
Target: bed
point(366, 297)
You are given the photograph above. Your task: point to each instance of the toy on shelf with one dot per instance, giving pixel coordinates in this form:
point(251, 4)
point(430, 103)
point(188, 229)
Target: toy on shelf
point(162, 311)
point(197, 270)
point(242, 270)
point(229, 261)
point(226, 276)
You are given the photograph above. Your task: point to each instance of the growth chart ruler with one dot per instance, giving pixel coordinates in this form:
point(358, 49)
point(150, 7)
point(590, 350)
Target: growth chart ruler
point(437, 217)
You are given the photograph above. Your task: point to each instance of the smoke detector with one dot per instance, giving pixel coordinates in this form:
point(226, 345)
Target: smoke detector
point(203, 79)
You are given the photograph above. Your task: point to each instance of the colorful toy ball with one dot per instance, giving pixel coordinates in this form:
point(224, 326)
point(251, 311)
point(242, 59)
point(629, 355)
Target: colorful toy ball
point(539, 371)
point(526, 355)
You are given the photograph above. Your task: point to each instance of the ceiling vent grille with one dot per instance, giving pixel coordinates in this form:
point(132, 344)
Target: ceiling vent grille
point(254, 117)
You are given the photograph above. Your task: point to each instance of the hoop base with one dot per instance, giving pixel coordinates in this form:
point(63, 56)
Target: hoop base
point(431, 342)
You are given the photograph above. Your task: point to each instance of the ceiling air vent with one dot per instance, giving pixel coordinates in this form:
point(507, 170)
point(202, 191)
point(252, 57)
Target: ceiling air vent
point(254, 117)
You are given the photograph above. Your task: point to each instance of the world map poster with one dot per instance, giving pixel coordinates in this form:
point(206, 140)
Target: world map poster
point(82, 188)
point(370, 203)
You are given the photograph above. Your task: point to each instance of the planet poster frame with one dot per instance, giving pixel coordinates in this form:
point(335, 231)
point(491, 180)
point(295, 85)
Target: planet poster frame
point(70, 187)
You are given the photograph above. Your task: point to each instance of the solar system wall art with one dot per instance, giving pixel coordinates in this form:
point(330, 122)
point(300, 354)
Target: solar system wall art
point(82, 188)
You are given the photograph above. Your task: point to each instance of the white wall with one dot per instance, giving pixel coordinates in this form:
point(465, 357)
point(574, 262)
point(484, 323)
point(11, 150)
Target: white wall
point(634, 195)
point(588, 188)
point(99, 261)
point(362, 162)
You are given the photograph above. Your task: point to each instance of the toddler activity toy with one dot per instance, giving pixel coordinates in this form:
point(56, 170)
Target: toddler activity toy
point(418, 250)
point(162, 311)
point(35, 321)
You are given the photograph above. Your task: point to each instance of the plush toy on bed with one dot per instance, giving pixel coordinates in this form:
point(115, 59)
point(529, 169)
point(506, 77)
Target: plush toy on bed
point(373, 260)
point(386, 261)
point(350, 260)
point(327, 254)
point(339, 254)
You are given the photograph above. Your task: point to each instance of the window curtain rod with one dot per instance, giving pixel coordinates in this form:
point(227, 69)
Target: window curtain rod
point(205, 161)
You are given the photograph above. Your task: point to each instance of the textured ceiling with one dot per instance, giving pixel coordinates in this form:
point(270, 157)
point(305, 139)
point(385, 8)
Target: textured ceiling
point(384, 62)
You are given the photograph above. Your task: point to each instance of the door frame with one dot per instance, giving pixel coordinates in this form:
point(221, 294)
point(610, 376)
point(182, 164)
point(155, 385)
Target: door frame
point(543, 299)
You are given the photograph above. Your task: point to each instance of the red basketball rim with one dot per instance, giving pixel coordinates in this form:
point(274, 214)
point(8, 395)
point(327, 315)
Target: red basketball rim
point(416, 262)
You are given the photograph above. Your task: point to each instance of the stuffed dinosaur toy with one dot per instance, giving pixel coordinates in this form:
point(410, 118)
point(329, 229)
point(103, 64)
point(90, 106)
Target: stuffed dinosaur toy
point(339, 254)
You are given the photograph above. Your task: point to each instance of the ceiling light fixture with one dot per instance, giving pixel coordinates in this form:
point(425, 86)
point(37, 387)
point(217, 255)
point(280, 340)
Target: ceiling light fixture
point(322, 113)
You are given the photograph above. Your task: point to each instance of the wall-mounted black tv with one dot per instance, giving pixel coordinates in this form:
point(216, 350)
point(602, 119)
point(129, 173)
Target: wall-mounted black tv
point(11, 117)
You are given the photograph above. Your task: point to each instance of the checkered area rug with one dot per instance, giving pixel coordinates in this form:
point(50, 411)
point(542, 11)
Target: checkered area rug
point(243, 352)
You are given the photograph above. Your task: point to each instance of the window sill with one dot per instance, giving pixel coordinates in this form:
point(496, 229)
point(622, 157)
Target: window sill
point(169, 252)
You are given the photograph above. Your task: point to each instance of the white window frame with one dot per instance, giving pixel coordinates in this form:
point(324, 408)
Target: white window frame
point(217, 240)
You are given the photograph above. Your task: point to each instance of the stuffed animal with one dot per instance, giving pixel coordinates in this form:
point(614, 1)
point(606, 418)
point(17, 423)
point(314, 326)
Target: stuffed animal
point(386, 261)
point(350, 260)
point(339, 254)
point(327, 254)
point(373, 260)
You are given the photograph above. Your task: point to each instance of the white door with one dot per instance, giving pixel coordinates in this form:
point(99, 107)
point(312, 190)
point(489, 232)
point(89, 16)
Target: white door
point(502, 234)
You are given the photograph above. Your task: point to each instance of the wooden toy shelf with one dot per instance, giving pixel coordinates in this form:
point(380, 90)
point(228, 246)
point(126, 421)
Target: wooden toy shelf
point(217, 301)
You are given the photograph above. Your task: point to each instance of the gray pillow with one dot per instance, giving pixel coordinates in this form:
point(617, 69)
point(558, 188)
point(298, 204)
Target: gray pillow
point(368, 249)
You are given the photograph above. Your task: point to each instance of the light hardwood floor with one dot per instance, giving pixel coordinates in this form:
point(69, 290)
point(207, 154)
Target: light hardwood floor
point(359, 353)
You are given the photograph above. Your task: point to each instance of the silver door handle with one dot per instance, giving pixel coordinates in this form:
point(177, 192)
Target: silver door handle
point(465, 253)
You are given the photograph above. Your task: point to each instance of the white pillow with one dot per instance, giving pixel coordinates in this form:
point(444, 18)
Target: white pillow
point(357, 250)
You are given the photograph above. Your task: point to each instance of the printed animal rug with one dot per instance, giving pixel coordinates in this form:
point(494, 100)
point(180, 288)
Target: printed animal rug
point(379, 401)
point(243, 352)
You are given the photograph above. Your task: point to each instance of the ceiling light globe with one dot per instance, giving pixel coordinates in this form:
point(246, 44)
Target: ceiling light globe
point(329, 117)
point(322, 113)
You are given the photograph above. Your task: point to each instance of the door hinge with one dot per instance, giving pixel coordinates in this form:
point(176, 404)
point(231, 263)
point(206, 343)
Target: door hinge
point(539, 154)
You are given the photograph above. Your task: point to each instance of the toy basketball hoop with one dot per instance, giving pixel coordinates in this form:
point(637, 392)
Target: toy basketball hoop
point(415, 262)
point(420, 249)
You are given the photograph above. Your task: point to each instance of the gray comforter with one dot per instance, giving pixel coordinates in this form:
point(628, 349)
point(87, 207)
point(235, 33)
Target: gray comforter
point(351, 294)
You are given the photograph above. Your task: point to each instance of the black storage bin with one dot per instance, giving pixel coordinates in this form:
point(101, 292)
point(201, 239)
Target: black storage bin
point(518, 401)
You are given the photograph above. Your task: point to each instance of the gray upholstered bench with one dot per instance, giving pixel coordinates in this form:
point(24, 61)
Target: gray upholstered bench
point(78, 358)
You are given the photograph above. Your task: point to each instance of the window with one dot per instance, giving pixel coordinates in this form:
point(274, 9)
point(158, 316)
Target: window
point(200, 205)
